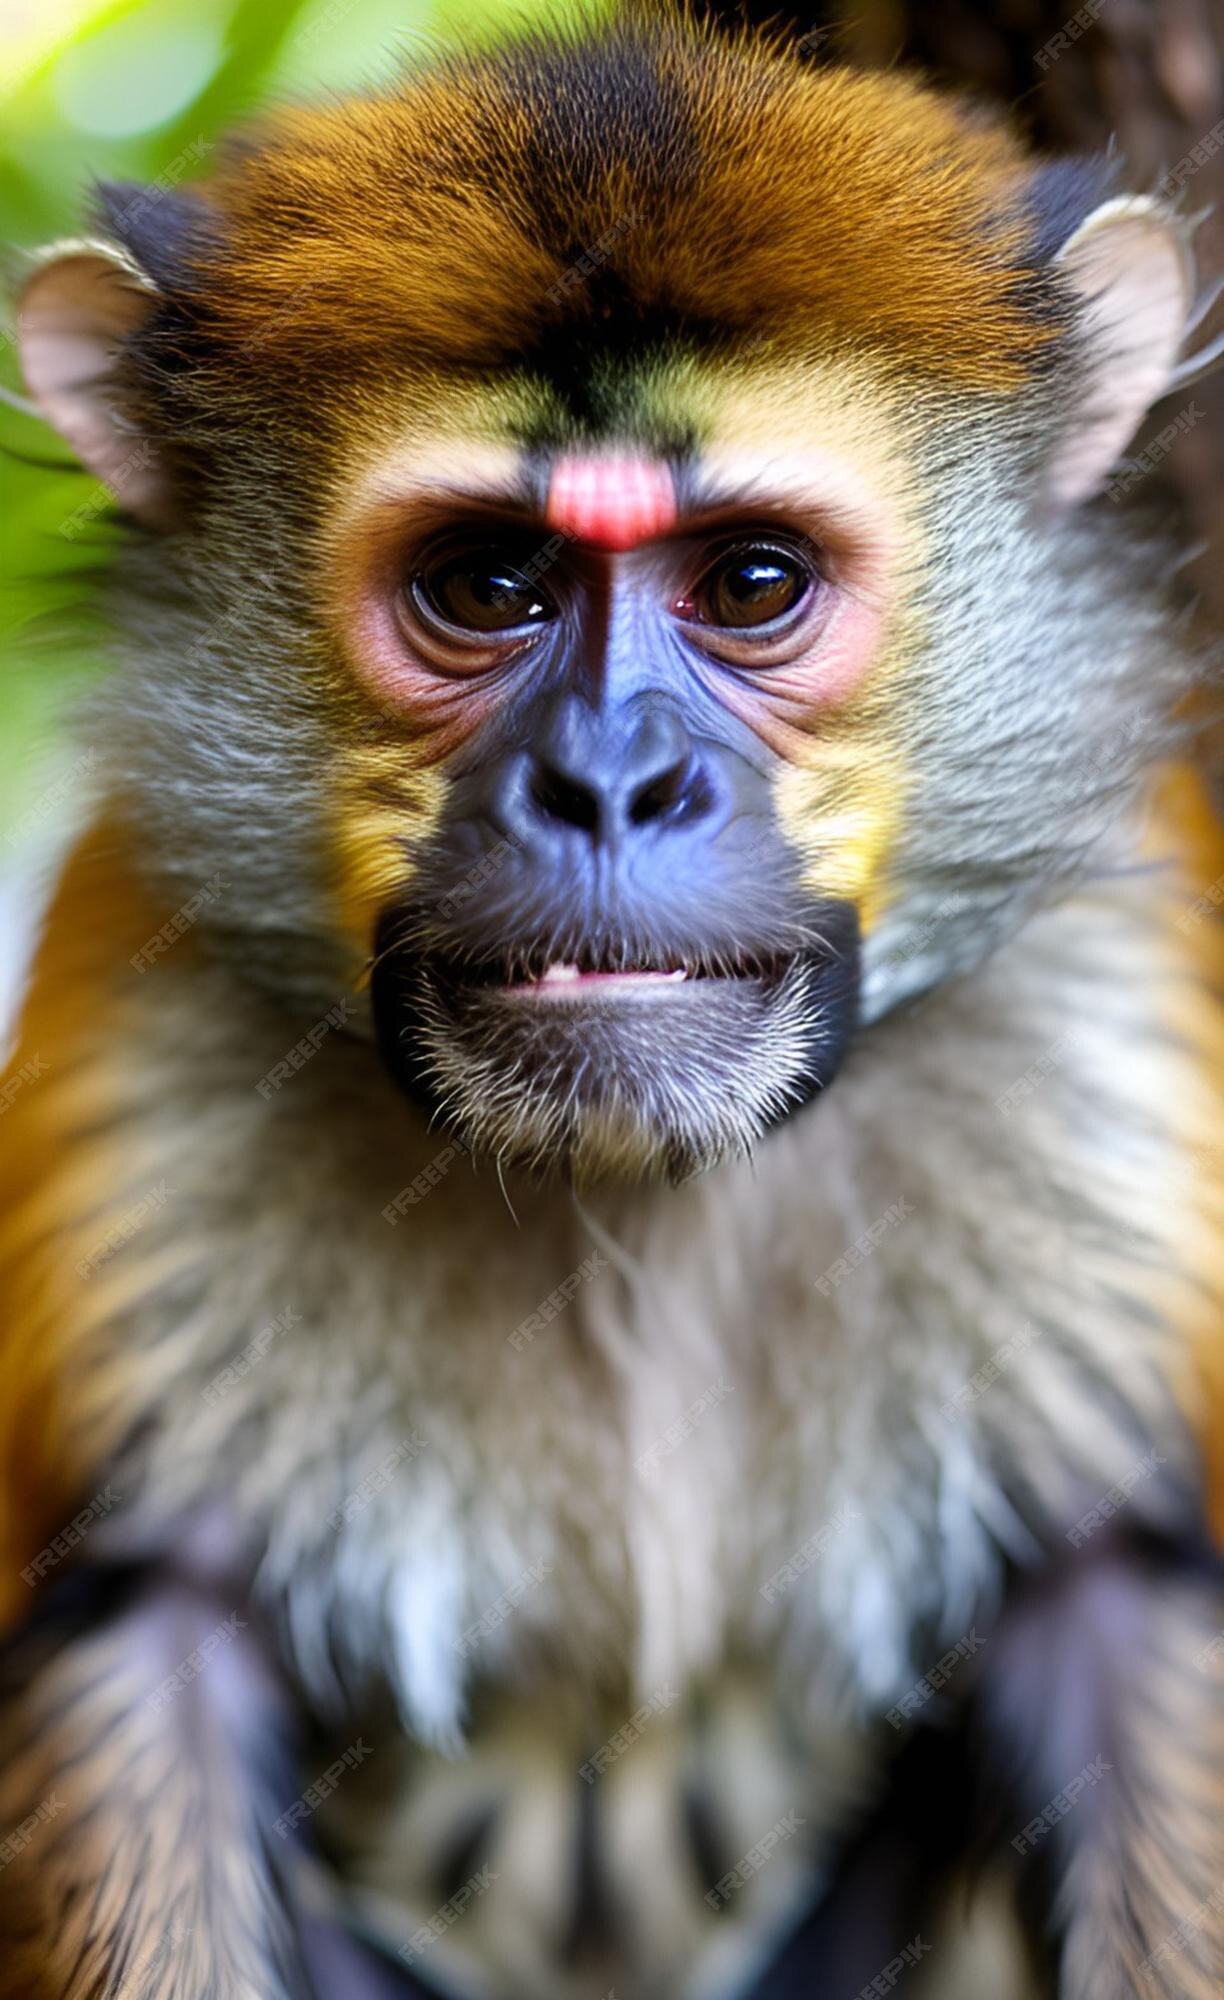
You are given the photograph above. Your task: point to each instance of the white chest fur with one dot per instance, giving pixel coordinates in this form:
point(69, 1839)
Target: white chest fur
point(544, 1467)
point(620, 1444)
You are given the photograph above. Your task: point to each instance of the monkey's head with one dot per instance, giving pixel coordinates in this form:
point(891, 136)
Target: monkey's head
point(610, 561)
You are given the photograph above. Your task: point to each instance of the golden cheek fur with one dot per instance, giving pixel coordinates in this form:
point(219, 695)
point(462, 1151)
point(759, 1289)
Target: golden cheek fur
point(383, 806)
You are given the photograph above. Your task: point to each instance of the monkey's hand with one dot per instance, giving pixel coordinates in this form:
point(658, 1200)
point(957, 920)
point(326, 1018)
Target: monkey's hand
point(1104, 1702)
point(143, 1767)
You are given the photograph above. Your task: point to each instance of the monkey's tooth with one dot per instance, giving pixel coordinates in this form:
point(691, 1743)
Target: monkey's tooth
point(571, 975)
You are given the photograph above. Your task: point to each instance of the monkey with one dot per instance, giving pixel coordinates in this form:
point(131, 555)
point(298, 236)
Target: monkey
point(611, 1343)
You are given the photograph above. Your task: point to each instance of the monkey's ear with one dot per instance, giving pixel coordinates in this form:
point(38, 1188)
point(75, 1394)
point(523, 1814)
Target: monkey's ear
point(78, 303)
point(1130, 268)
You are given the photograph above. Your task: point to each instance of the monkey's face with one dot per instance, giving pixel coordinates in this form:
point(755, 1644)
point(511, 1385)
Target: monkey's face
point(625, 565)
point(605, 950)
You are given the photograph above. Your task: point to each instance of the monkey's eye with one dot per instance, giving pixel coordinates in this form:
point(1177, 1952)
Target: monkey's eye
point(483, 591)
point(747, 587)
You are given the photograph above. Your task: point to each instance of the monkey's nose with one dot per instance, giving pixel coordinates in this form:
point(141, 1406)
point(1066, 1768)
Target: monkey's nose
point(606, 785)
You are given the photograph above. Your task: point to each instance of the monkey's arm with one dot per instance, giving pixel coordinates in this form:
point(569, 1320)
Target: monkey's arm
point(1102, 1712)
point(142, 1774)
point(1094, 1748)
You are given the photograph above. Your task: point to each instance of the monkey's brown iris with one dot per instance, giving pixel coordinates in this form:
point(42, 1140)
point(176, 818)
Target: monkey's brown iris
point(482, 592)
point(752, 586)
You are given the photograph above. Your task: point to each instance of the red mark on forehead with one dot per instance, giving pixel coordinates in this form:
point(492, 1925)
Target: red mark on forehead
point(614, 502)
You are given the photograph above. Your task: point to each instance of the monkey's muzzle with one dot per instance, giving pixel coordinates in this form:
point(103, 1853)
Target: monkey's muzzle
point(611, 1057)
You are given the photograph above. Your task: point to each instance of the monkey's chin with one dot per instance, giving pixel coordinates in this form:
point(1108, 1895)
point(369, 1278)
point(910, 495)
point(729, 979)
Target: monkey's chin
point(636, 1077)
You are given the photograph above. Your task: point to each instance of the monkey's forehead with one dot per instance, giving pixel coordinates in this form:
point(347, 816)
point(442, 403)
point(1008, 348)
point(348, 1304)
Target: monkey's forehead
point(573, 209)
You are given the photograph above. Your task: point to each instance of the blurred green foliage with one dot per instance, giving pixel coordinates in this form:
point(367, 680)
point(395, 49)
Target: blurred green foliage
point(129, 90)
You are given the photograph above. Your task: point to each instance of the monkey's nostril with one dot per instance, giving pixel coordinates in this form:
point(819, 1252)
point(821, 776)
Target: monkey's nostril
point(677, 790)
point(672, 791)
point(562, 798)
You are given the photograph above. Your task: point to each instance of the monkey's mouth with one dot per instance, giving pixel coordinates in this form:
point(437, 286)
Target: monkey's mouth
point(613, 1056)
point(592, 974)
point(571, 982)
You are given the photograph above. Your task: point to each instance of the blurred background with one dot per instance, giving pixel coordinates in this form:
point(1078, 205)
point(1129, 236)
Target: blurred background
point(141, 89)
point(130, 90)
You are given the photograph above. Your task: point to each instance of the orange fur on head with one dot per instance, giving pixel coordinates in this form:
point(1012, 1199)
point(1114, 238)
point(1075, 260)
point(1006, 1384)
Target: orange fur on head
point(728, 190)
